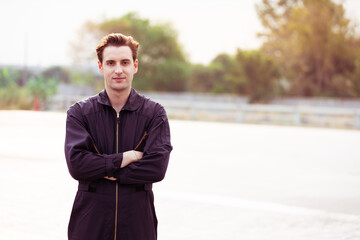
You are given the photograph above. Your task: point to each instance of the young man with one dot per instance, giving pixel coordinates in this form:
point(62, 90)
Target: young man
point(117, 144)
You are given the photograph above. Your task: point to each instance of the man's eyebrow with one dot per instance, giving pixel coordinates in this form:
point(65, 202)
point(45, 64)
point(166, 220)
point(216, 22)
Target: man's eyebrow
point(124, 59)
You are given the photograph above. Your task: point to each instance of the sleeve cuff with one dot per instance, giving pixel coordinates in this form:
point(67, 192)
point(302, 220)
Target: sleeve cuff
point(113, 163)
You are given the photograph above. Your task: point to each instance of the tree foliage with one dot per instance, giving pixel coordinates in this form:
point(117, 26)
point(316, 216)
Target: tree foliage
point(61, 74)
point(20, 88)
point(314, 44)
point(41, 87)
point(213, 78)
point(250, 73)
point(260, 75)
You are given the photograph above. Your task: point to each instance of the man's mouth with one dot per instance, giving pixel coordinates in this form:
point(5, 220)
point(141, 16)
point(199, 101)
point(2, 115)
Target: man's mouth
point(119, 78)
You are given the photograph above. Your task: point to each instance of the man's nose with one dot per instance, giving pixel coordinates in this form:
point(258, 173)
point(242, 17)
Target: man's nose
point(118, 68)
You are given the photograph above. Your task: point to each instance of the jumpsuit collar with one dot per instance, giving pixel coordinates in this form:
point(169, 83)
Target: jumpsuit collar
point(132, 104)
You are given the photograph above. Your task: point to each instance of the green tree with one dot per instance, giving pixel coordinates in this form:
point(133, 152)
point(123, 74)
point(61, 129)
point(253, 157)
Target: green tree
point(201, 78)
point(261, 75)
point(357, 77)
point(60, 73)
point(40, 88)
point(229, 74)
point(4, 78)
point(210, 78)
point(162, 63)
point(13, 96)
point(10, 76)
point(82, 77)
point(215, 77)
point(314, 44)
point(249, 73)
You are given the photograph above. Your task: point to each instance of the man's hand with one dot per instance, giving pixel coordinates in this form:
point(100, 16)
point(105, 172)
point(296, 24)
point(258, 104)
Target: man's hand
point(130, 157)
point(110, 178)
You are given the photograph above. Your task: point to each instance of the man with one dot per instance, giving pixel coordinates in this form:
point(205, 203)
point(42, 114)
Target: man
point(117, 144)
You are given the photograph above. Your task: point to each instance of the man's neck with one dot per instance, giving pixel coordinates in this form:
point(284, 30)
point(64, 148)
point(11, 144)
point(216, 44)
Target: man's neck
point(118, 98)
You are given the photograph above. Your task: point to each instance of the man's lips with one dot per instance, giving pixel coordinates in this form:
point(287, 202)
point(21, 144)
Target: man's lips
point(119, 78)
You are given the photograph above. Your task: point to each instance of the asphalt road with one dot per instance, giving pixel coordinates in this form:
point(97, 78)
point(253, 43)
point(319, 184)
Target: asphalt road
point(224, 181)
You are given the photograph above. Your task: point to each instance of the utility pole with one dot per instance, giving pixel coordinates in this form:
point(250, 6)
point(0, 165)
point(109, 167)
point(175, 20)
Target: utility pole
point(25, 66)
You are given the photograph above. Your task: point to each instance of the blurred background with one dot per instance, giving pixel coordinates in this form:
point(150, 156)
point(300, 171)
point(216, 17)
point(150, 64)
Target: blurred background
point(274, 87)
point(282, 62)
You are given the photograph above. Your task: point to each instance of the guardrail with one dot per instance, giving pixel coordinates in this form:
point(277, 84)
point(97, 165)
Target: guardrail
point(265, 114)
point(240, 111)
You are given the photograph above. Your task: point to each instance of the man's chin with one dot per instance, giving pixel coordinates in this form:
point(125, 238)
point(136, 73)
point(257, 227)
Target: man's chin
point(120, 87)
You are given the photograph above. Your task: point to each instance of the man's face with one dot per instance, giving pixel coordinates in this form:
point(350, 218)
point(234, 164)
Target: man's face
point(118, 68)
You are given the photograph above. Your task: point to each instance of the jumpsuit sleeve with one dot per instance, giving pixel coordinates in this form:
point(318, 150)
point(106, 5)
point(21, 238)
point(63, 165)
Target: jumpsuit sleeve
point(153, 165)
point(83, 162)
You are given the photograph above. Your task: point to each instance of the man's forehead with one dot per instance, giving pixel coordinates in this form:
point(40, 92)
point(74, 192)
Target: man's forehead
point(117, 53)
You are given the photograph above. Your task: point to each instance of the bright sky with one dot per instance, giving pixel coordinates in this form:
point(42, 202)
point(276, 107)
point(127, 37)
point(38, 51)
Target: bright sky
point(45, 27)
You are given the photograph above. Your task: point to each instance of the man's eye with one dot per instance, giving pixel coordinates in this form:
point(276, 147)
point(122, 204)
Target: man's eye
point(126, 63)
point(110, 63)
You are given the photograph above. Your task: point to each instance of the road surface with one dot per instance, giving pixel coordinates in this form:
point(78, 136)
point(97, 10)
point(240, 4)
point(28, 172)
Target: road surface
point(224, 181)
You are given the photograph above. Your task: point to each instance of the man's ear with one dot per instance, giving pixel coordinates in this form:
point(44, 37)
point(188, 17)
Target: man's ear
point(100, 67)
point(136, 65)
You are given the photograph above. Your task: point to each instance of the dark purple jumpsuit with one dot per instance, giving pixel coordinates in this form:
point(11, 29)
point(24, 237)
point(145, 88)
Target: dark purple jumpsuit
point(96, 138)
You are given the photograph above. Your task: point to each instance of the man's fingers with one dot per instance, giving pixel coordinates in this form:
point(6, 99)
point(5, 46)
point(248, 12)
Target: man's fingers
point(139, 154)
point(110, 178)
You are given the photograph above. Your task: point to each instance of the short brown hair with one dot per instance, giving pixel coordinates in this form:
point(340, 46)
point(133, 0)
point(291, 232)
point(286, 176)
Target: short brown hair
point(117, 39)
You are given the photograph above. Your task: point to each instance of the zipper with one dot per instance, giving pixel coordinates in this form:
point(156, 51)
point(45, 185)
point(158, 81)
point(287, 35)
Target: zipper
point(117, 184)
